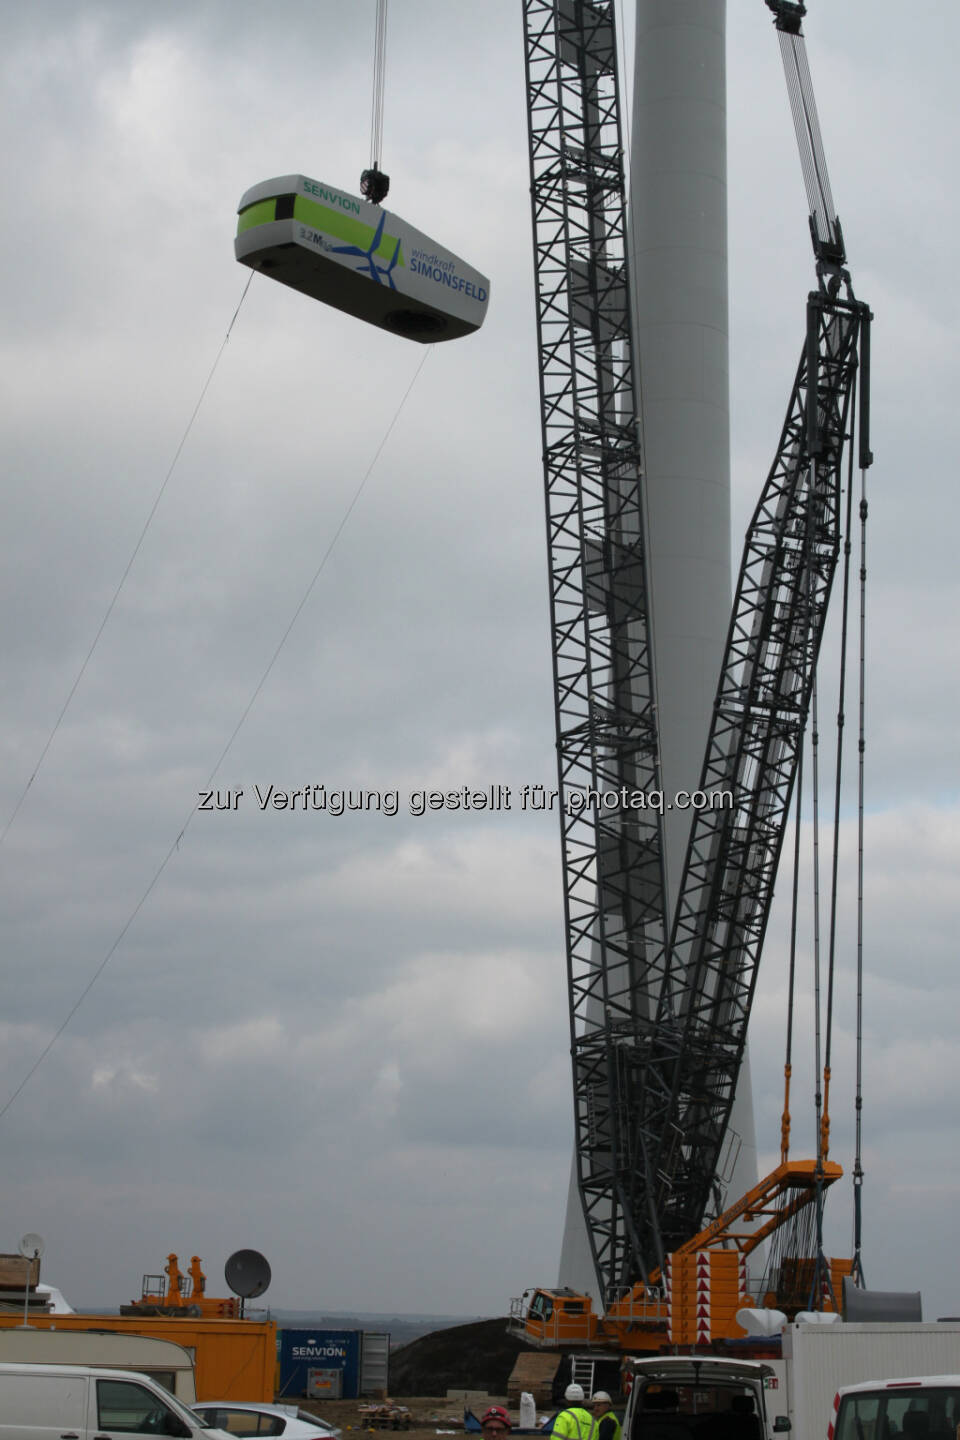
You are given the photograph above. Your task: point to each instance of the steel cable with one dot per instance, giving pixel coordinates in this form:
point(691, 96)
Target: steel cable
point(838, 781)
point(175, 846)
point(129, 566)
point(794, 910)
point(379, 79)
point(858, 1275)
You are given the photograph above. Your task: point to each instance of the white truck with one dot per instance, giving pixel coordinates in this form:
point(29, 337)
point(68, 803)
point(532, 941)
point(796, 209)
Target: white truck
point(701, 1397)
point(818, 1360)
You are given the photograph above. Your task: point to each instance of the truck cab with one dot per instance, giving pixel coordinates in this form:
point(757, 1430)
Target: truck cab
point(926, 1407)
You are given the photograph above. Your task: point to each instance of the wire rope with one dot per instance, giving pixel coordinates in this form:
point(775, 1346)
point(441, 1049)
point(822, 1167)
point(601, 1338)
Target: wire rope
point(129, 566)
point(837, 787)
point(794, 912)
point(800, 125)
point(812, 159)
point(820, 1279)
point(813, 128)
point(175, 846)
point(857, 1272)
point(379, 79)
point(815, 820)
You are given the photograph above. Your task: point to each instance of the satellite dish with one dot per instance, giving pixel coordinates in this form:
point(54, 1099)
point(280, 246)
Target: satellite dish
point(247, 1272)
point(31, 1246)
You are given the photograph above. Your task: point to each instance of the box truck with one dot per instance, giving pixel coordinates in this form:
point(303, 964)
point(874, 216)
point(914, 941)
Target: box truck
point(721, 1397)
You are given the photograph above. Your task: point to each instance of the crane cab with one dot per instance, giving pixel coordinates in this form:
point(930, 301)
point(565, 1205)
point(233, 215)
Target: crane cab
point(359, 258)
point(553, 1318)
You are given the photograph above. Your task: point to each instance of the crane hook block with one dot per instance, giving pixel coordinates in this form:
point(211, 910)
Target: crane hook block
point(787, 14)
point(359, 258)
point(374, 186)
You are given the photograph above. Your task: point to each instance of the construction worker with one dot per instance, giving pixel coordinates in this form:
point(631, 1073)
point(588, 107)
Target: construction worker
point(608, 1426)
point(495, 1423)
point(574, 1423)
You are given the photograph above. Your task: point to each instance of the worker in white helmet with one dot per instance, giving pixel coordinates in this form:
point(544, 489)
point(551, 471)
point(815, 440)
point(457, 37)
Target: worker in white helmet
point(575, 1422)
point(608, 1426)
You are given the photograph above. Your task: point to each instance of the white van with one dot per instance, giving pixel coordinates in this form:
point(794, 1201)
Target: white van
point(163, 1360)
point(921, 1407)
point(78, 1402)
point(697, 1397)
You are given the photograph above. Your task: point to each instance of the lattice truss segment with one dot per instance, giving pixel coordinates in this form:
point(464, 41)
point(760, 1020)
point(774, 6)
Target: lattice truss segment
point(658, 1020)
point(605, 710)
point(756, 731)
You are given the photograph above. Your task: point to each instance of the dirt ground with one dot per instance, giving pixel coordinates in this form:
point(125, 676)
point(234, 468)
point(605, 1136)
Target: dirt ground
point(428, 1415)
point(476, 1358)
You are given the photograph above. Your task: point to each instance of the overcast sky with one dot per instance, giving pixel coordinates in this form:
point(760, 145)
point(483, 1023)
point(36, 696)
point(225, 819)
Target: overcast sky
point(343, 1040)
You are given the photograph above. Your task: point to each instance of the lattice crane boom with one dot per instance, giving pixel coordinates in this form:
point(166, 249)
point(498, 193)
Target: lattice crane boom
point(762, 702)
point(759, 719)
point(659, 1011)
point(603, 673)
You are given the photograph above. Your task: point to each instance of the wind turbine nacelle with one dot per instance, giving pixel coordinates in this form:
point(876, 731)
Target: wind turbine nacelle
point(360, 258)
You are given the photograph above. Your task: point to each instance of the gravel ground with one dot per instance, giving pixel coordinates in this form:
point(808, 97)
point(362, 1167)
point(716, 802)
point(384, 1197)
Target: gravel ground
point(428, 1415)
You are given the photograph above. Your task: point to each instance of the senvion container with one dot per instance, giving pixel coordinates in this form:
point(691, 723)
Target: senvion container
point(302, 1351)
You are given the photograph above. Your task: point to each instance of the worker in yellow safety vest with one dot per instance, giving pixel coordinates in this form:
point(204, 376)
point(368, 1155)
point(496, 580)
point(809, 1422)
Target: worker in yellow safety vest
point(574, 1423)
point(608, 1426)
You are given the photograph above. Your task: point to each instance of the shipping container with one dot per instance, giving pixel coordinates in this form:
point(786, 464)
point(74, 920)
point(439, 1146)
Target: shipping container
point(233, 1359)
point(333, 1357)
point(333, 1364)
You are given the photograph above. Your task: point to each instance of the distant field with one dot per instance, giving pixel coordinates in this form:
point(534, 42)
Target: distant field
point(402, 1328)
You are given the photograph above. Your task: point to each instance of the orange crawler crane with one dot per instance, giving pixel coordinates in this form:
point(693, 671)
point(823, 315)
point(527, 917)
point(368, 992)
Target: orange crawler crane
point(696, 1301)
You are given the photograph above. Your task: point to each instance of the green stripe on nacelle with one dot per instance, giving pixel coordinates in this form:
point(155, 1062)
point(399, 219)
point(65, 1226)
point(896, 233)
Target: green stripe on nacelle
point(322, 217)
point(343, 227)
point(260, 214)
